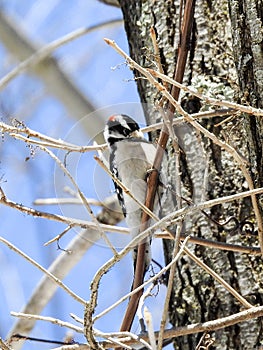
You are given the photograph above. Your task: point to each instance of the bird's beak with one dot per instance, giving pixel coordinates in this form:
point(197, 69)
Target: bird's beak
point(137, 133)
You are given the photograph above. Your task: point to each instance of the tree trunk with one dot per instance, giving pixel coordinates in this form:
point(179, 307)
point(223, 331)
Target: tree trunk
point(247, 32)
point(196, 296)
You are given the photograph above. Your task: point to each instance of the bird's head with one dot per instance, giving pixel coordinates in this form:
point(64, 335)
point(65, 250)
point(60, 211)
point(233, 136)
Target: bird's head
point(120, 127)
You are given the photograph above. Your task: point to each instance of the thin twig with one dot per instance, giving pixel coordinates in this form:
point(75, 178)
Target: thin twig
point(59, 236)
point(207, 99)
point(156, 50)
point(69, 200)
point(149, 323)
point(63, 219)
point(151, 280)
point(48, 319)
point(221, 245)
point(76, 318)
point(140, 313)
point(3, 345)
point(94, 286)
point(124, 188)
point(252, 313)
point(44, 140)
point(162, 223)
point(201, 115)
point(74, 347)
point(157, 58)
point(124, 336)
point(108, 336)
point(219, 279)
point(170, 285)
point(123, 230)
point(82, 196)
point(46, 272)
point(48, 141)
point(59, 145)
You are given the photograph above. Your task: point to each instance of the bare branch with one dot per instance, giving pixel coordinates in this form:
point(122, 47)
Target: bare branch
point(42, 269)
point(220, 323)
point(151, 280)
point(66, 220)
point(219, 279)
point(207, 99)
point(60, 268)
point(47, 319)
point(3, 345)
point(81, 195)
point(149, 323)
point(252, 313)
point(63, 200)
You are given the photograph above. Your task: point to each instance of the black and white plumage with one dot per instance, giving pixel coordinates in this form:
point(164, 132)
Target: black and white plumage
point(131, 157)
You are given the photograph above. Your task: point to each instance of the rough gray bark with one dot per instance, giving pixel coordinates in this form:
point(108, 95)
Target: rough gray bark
point(196, 296)
point(139, 16)
point(247, 32)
